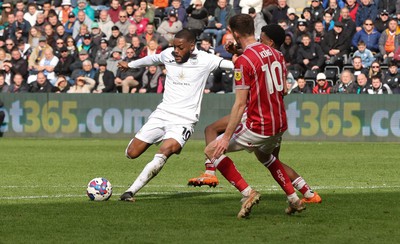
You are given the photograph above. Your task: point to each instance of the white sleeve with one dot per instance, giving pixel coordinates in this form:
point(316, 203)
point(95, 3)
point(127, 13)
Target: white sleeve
point(226, 64)
point(146, 61)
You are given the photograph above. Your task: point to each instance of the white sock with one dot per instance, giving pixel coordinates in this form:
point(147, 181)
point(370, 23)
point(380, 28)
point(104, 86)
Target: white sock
point(149, 171)
point(246, 192)
point(210, 172)
point(293, 197)
point(299, 183)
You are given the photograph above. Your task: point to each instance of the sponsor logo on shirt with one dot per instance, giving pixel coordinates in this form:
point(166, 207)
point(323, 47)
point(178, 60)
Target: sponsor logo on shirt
point(238, 74)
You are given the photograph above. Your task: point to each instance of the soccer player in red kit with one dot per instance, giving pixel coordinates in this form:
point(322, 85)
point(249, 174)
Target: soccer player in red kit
point(259, 78)
point(272, 35)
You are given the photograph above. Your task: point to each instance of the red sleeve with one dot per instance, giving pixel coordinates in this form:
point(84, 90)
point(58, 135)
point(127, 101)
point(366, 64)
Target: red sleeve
point(242, 74)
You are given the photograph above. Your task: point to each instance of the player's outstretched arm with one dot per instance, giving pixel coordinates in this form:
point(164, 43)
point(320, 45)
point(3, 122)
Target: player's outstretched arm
point(143, 62)
point(226, 65)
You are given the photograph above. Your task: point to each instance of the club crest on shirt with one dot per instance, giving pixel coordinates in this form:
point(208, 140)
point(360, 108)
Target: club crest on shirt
point(193, 61)
point(238, 74)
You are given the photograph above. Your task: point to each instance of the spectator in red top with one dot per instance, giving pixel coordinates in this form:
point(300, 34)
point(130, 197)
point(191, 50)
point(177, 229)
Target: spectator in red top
point(322, 86)
point(114, 10)
point(140, 22)
point(352, 5)
point(151, 48)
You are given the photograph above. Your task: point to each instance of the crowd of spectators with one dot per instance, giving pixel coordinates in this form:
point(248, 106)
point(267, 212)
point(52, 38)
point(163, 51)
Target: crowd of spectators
point(74, 46)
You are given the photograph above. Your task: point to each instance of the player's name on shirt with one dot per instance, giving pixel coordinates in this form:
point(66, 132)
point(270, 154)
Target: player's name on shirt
point(265, 53)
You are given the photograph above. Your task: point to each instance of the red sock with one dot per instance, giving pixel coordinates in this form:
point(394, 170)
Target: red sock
point(229, 171)
point(280, 176)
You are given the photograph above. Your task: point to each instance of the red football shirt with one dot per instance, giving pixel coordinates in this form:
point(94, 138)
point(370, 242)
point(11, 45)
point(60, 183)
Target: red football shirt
point(262, 70)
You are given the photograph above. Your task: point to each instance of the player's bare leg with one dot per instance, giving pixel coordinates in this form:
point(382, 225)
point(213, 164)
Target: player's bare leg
point(168, 147)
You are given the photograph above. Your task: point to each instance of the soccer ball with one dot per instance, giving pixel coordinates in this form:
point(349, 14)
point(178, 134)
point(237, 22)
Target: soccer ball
point(99, 189)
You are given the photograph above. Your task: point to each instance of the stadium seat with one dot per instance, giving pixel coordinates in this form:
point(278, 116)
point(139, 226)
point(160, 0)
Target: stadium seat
point(384, 69)
point(157, 22)
point(198, 44)
point(348, 67)
point(310, 83)
point(332, 72)
point(331, 82)
point(295, 73)
point(311, 75)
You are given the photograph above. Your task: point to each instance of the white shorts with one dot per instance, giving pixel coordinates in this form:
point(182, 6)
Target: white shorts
point(156, 130)
point(245, 139)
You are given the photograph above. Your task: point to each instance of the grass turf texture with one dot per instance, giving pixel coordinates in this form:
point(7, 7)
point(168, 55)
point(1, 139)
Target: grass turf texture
point(43, 199)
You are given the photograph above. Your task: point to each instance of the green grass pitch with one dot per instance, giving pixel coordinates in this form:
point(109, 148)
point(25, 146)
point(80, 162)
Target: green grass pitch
point(43, 184)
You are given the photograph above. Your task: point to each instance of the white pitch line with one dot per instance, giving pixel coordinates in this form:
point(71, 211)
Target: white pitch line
point(83, 195)
point(270, 187)
point(204, 189)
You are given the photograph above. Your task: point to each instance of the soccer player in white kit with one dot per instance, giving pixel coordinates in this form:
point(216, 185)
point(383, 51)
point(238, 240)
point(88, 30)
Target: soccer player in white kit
point(173, 120)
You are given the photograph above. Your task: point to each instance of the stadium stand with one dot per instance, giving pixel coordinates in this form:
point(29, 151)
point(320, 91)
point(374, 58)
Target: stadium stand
point(102, 23)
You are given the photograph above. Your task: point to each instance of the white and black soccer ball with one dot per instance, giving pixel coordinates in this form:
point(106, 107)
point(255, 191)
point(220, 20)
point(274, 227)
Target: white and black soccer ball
point(99, 189)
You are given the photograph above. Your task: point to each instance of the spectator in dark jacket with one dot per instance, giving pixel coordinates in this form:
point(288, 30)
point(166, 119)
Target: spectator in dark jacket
point(302, 29)
point(18, 64)
point(317, 11)
point(41, 85)
point(64, 63)
point(197, 17)
point(103, 52)
point(21, 23)
point(362, 84)
point(377, 87)
point(388, 5)
point(349, 26)
point(336, 44)
point(18, 85)
point(104, 79)
point(318, 34)
point(392, 78)
point(62, 85)
point(278, 13)
point(346, 83)
point(289, 49)
point(366, 10)
point(292, 19)
point(131, 78)
point(333, 9)
point(309, 55)
point(382, 23)
point(302, 87)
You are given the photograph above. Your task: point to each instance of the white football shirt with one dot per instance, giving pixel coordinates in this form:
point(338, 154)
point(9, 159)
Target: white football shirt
point(184, 83)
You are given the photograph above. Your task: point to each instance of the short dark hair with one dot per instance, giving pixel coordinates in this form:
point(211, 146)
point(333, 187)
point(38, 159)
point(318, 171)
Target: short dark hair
point(361, 43)
point(276, 33)
point(187, 35)
point(392, 63)
point(376, 77)
point(242, 24)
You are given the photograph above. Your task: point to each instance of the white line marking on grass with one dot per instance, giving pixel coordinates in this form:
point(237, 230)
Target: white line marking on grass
point(221, 186)
point(114, 194)
point(222, 189)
